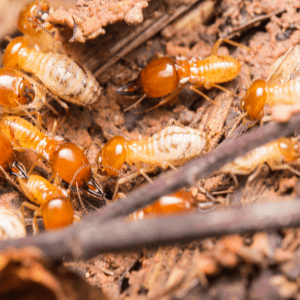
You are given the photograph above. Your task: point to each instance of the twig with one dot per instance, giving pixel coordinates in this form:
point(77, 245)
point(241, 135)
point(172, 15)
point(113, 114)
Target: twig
point(253, 22)
point(87, 242)
point(144, 36)
point(96, 234)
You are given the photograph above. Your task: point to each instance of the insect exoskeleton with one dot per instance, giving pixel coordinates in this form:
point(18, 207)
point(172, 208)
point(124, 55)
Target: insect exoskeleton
point(61, 75)
point(273, 153)
point(32, 22)
point(178, 202)
point(172, 146)
point(261, 92)
point(165, 77)
point(65, 158)
point(18, 93)
point(53, 202)
point(11, 225)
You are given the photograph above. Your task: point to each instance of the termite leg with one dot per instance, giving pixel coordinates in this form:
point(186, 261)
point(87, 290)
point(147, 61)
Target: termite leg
point(206, 193)
point(80, 200)
point(208, 85)
point(37, 213)
point(135, 103)
point(87, 149)
point(285, 167)
point(166, 99)
point(131, 176)
point(217, 44)
point(193, 88)
point(265, 119)
point(239, 119)
point(10, 180)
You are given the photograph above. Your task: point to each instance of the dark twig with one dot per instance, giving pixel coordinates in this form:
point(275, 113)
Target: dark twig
point(94, 234)
point(87, 242)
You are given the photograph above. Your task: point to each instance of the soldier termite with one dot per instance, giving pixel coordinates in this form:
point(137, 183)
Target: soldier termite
point(61, 75)
point(165, 77)
point(65, 158)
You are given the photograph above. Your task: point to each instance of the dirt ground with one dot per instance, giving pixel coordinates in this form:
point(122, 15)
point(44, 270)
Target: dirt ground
point(254, 266)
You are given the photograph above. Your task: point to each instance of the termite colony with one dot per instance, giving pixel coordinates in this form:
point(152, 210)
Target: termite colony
point(36, 68)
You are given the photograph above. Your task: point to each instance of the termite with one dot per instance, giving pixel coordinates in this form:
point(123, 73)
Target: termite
point(32, 22)
point(261, 92)
point(61, 75)
point(53, 202)
point(170, 147)
point(165, 77)
point(178, 202)
point(11, 224)
point(18, 93)
point(273, 153)
point(65, 158)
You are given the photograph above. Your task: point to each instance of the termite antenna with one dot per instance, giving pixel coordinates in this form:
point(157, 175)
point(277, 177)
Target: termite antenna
point(135, 103)
point(52, 34)
point(87, 149)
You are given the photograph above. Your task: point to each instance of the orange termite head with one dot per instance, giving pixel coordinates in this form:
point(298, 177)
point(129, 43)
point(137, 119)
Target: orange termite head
point(158, 79)
point(11, 53)
point(57, 213)
point(254, 100)
point(112, 156)
point(69, 161)
point(26, 92)
point(33, 16)
point(289, 149)
point(178, 202)
point(15, 90)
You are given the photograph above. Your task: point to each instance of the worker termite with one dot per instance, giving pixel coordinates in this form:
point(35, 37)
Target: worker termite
point(32, 22)
point(53, 202)
point(178, 202)
point(262, 92)
point(165, 77)
point(11, 224)
point(61, 75)
point(273, 153)
point(65, 158)
point(170, 147)
point(282, 87)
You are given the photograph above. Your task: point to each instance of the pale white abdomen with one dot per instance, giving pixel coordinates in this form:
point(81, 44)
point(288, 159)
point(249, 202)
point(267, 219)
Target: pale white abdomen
point(173, 145)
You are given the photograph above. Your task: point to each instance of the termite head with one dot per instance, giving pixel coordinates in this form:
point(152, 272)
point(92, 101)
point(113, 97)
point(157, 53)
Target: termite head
point(57, 213)
point(11, 53)
point(26, 92)
point(112, 156)
point(289, 149)
point(71, 164)
point(178, 202)
point(33, 16)
point(158, 79)
point(254, 100)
